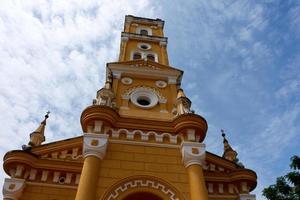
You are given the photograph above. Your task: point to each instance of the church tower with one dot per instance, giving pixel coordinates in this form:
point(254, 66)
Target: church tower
point(140, 139)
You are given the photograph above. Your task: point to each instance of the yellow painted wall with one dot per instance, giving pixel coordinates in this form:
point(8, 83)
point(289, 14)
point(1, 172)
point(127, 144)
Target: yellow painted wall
point(124, 160)
point(33, 192)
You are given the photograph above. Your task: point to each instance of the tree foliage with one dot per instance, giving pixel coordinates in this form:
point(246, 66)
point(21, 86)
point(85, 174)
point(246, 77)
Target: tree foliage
point(287, 187)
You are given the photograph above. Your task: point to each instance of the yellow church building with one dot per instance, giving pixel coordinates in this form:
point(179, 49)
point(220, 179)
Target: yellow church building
point(140, 140)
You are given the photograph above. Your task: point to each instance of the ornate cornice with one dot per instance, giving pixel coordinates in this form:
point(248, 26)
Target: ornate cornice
point(110, 118)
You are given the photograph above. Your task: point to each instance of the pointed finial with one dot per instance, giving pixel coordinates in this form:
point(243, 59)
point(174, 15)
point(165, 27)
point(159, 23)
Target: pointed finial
point(229, 153)
point(46, 117)
point(37, 137)
point(224, 136)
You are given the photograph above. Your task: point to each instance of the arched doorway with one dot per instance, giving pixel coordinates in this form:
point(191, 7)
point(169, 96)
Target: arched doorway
point(142, 196)
point(142, 188)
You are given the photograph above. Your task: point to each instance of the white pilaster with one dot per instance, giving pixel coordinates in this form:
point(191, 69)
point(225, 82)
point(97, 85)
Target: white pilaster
point(94, 145)
point(13, 188)
point(193, 153)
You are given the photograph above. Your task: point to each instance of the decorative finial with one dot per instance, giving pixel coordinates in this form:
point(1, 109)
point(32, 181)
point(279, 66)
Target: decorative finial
point(37, 137)
point(229, 153)
point(223, 133)
point(183, 104)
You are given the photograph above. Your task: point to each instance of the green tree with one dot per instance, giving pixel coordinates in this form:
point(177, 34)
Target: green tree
point(287, 187)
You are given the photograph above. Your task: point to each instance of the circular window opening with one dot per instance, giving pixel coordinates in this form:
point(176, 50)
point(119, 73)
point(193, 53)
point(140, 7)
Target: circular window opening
point(144, 101)
point(144, 46)
point(144, 98)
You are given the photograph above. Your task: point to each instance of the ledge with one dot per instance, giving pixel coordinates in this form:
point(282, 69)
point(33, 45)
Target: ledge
point(111, 118)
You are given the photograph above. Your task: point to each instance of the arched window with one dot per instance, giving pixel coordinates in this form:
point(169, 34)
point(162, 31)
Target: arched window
point(143, 32)
point(151, 57)
point(137, 56)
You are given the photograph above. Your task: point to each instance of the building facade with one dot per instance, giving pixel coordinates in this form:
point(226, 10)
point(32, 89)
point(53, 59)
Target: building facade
point(140, 139)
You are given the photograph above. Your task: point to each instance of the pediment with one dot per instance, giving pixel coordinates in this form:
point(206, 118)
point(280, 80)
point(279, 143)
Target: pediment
point(146, 64)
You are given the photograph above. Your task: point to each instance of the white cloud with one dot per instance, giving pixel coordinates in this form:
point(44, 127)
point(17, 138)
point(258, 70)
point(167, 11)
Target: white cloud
point(53, 56)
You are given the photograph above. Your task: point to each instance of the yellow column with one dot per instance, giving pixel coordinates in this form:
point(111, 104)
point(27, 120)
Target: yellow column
point(197, 183)
point(193, 157)
point(94, 149)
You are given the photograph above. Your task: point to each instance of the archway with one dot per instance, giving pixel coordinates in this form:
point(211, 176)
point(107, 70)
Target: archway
point(142, 188)
point(142, 196)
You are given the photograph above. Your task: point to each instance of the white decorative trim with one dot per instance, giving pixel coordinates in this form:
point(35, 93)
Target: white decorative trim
point(247, 197)
point(116, 74)
point(172, 80)
point(94, 145)
point(193, 153)
point(162, 145)
point(163, 43)
point(144, 54)
point(52, 185)
point(161, 84)
point(144, 44)
point(124, 38)
point(13, 188)
point(144, 135)
point(128, 92)
point(44, 175)
point(138, 30)
point(144, 93)
point(221, 188)
point(140, 183)
point(126, 80)
point(210, 188)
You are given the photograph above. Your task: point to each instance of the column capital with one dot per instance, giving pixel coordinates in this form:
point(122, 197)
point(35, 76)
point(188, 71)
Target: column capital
point(94, 145)
point(13, 188)
point(193, 153)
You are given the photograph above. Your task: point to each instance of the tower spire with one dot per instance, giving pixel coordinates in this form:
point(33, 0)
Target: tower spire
point(37, 137)
point(229, 153)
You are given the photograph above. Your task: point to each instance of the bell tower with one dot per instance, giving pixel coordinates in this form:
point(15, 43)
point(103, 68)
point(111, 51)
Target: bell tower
point(141, 83)
point(143, 38)
point(139, 140)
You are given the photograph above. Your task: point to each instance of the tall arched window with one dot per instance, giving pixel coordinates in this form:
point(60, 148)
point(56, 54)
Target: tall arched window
point(143, 32)
point(151, 57)
point(137, 56)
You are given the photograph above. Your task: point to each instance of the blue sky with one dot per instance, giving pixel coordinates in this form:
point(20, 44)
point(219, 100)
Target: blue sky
point(241, 61)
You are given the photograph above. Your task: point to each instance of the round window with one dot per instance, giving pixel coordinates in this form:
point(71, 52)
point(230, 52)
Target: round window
point(144, 46)
point(144, 98)
point(144, 101)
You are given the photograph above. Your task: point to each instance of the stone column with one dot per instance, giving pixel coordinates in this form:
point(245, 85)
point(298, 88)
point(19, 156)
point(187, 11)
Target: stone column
point(193, 157)
point(94, 150)
point(13, 188)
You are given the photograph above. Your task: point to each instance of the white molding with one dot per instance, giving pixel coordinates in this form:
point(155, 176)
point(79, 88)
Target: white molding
point(247, 197)
point(126, 80)
point(13, 188)
point(149, 30)
point(52, 185)
point(193, 153)
point(161, 84)
point(172, 79)
point(140, 183)
point(144, 92)
point(163, 145)
point(144, 135)
point(94, 145)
